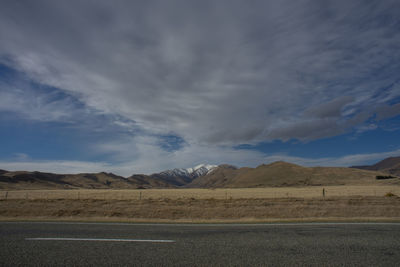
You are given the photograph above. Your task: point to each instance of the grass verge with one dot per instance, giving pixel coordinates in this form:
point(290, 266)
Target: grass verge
point(204, 210)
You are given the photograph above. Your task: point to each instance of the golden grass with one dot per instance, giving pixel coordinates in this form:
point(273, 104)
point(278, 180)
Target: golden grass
point(229, 193)
point(355, 203)
point(193, 220)
point(203, 210)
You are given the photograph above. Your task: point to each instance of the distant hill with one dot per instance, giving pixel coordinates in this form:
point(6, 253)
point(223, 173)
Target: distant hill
point(42, 180)
point(276, 174)
point(389, 165)
point(146, 181)
point(287, 174)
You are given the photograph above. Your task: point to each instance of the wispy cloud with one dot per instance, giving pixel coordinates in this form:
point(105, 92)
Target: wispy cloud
point(214, 72)
point(21, 157)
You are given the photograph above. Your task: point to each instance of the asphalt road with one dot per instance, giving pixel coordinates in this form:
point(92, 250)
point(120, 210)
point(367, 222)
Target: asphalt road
point(92, 244)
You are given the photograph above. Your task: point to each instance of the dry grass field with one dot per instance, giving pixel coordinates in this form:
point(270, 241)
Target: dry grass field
point(204, 210)
point(361, 203)
point(226, 193)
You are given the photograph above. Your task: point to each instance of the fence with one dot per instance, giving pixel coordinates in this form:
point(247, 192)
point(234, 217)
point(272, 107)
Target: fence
point(230, 193)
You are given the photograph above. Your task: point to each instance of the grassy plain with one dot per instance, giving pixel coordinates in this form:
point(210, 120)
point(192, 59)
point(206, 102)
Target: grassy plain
point(361, 203)
point(225, 193)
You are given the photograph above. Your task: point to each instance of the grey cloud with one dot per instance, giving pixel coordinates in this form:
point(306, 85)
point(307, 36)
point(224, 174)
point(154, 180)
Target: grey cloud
point(388, 111)
point(330, 109)
point(213, 71)
point(307, 130)
point(22, 99)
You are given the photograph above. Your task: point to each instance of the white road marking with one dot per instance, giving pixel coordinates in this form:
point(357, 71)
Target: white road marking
point(98, 239)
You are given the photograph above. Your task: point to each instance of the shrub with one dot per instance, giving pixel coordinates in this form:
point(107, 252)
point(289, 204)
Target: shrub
point(383, 177)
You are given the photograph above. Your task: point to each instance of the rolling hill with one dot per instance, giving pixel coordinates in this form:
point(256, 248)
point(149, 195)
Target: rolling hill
point(42, 180)
point(389, 165)
point(287, 174)
point(277, 174)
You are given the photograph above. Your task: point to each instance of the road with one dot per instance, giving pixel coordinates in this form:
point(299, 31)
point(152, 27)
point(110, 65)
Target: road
point(105, 244)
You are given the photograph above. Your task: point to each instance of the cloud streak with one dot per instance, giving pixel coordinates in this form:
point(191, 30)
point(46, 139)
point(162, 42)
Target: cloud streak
point(212, 72)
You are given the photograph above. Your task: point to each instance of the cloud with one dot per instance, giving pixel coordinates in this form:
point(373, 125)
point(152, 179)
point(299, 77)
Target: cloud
point(307, 130)
point(388, 111)
point(21, 156)
point(39, 104)
point(212, 72)
point(143, 154)
point(178, 83)
point(331, 109)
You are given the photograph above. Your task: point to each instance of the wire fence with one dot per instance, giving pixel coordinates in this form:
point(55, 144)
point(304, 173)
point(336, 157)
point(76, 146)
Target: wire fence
point(230, 193)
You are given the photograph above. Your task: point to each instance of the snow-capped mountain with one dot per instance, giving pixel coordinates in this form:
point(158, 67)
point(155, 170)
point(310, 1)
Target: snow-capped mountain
point(184, 176)
point(194, 172)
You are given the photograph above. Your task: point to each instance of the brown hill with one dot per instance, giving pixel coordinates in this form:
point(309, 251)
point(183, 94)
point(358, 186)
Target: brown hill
point(145, 181)
point(218, 177)
point(174, 181)
point(41, 180)
point(287, 174)
point(272, 175)
point(389, 165)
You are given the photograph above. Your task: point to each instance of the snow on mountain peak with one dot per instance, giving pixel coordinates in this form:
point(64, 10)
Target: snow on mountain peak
point(201, 167)
point(199, 170)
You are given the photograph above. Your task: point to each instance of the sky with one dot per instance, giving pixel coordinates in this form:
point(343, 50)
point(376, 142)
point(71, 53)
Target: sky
point(144, 86)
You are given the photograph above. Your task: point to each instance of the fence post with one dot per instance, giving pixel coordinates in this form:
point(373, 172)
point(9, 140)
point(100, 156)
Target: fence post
point(323, 192)
point(140, 195)
point(6, 195)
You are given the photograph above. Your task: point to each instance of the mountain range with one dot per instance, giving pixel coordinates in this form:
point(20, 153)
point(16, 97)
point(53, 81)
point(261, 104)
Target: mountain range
point(275, 174)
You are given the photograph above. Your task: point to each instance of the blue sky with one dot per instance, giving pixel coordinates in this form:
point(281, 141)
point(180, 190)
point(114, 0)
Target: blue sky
point(139, 87)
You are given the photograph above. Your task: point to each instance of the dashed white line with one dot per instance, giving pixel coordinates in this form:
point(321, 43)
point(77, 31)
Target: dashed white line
point(98, 239)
